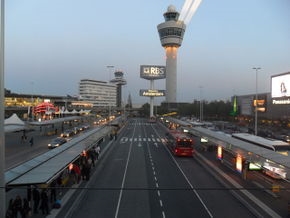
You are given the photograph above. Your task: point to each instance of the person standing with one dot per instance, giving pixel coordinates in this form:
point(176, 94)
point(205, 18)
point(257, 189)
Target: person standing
point(31, 141)
point(44, 202)
point(11, 209)
point(53, 192)
point(36, 199)
point(18, 206)
point(26, 208)
point(98, 151)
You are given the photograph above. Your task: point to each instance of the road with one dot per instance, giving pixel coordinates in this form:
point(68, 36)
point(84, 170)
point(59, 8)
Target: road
point(140, 178)
point(137, 176)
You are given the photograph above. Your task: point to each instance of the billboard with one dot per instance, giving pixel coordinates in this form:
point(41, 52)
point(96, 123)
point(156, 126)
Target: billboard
point(260, 103)
point(280, 85)
point(152, 93)
point(152, 72)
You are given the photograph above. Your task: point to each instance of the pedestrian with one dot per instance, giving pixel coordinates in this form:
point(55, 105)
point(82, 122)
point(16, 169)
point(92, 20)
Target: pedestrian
point(92, 156)
point(31, 141)
point(44, 202)
point(17, 206)
point(98, 151)
point(11, 209)
point(26, 208)
point(53, 192)
point(36, 199)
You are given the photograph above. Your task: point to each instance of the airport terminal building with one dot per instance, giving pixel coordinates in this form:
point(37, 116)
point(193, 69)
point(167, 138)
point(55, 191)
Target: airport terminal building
point(274, 105)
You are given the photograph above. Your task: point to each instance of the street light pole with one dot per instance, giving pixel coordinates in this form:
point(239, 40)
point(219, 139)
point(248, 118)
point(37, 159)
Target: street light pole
point(256, 101)
point(109, 68)
point(2, 112)
point(200, 105)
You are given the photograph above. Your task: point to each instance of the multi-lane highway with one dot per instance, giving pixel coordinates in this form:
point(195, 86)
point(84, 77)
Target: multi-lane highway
point(139, 177)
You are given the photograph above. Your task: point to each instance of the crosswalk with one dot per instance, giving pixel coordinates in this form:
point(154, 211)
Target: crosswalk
point(140, 139)
point(141, 124)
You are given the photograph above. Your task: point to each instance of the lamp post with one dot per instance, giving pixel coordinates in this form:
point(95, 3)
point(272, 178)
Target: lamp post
point(2, 112)
point(200, 105)
point(109, 68)
point(256, 101)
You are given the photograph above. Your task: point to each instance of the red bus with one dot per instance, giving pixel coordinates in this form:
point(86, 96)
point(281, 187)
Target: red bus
point(179, 143)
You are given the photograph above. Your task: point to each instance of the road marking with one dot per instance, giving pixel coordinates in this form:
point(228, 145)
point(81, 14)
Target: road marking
point(123, 140)
point(160, 202)
point(163, 214)
point(124, 177)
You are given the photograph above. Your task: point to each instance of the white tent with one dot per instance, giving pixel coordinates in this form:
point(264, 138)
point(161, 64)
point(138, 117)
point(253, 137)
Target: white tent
point(14, 123)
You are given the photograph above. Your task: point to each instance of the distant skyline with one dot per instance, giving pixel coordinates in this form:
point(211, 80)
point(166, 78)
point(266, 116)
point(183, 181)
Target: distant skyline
point(51, 45)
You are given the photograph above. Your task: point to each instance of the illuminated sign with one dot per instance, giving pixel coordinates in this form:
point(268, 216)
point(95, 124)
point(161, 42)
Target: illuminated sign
point(220, 153)
point(260, 104)
point(280, 85)
point(281, 101)
point(239, 163)
point(152, 93)
point(152, 72)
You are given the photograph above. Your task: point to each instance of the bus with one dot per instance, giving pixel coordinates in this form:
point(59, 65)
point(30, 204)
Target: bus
point(179, 143)
point(271, 144)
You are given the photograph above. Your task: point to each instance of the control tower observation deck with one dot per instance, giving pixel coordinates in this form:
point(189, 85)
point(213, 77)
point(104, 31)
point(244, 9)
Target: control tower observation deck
point(119, 81)
point(171, 35)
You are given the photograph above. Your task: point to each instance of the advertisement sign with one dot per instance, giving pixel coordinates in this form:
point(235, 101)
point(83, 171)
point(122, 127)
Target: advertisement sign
point(152, 93)
point(280, 85)
point(152, 72)
point(260, 104)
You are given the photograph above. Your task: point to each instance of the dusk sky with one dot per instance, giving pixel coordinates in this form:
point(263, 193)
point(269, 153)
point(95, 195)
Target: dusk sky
point(50, 45)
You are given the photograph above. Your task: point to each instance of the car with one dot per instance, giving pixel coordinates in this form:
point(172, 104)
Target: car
point(67, 133)
point(56, 142)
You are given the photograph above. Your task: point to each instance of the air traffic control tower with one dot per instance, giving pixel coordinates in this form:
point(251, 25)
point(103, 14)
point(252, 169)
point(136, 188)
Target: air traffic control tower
point(119, 81)
point(171, 35)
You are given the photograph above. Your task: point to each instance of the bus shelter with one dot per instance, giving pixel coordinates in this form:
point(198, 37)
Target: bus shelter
point(46, 167)
point(243, 155)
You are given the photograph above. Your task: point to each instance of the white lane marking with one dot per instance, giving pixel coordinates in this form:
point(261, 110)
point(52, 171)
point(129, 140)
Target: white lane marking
point(187, 180)
point(124, 176)
point(161, 203)
point(158, 193)
point(163, 214)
